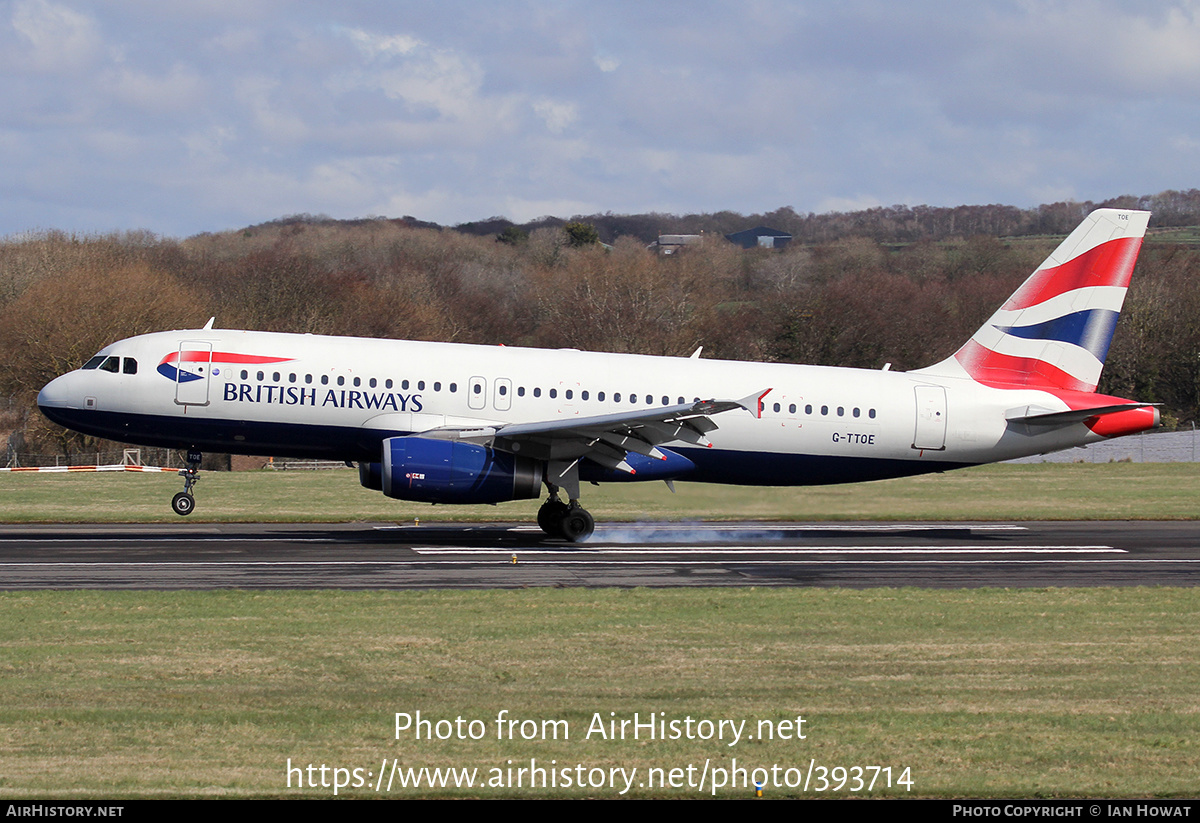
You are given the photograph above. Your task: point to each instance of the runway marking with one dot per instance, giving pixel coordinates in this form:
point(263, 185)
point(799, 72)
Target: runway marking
point(432, 563)
point(613, 528)
point(666, 550)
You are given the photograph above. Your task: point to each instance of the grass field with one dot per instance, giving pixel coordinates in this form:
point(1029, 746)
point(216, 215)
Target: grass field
point(986, 693)
point(977, 693)
point(1106, 491)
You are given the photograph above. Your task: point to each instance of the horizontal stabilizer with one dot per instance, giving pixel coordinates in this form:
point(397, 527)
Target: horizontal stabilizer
point(1038, 416)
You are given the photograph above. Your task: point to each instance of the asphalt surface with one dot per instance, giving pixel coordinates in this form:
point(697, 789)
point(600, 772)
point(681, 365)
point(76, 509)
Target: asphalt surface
point(387, 556)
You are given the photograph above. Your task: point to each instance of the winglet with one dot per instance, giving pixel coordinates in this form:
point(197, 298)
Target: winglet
point(753, 402)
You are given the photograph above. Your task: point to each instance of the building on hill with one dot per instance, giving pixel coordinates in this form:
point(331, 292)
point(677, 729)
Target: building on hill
point(760, 237)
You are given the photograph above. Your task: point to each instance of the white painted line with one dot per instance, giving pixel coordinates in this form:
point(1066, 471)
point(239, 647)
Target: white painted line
point(733, 527)
point(718, 549)
point(606, 562)
point(786, 527)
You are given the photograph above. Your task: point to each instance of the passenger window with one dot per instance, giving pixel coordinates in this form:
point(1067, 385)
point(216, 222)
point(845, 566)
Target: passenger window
point(453, 388)
point(308, 378)
point(292, 378)
point(341, 380)
point(520, 391)
point(554, 392)
point(824, 410)
point(584, 394)
point(260, 375)
point(420, 385)
point(275, 377)
point(537, 392)
point(387, 384)
point(856, 412)
point(404, 385)
point(130, 365)
point(477, 388)
point(841, 412)
point(245, 374)
point(357, 382)
point(503, 390)
point(616, 397)
point(871, 414)
point(373, 382)
point(324, 380)
point(570, 394)
point(600, 397)
point(776, 408)
point(437, 386)
point(792, 408)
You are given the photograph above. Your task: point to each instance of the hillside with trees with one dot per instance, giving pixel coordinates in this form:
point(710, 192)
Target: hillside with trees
point(900, 285)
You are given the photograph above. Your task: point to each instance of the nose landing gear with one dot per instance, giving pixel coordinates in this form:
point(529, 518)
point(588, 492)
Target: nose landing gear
point(184, 503)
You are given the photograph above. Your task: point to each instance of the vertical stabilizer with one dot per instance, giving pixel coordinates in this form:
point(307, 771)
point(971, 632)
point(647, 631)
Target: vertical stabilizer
point(1054, 332)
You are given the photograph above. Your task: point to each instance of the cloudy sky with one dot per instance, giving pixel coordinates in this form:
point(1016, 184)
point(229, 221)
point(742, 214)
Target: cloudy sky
point(182, 117)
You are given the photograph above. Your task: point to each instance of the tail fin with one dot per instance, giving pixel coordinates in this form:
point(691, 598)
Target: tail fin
point(1054, 332)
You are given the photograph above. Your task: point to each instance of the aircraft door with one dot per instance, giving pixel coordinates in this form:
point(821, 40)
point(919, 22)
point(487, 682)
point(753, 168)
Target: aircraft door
point(477, 393)
point(930, 434)
point(503, 399)
point(192, 371)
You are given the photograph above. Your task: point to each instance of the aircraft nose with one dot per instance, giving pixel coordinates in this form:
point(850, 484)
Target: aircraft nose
point(61, 398)
point(57, 393)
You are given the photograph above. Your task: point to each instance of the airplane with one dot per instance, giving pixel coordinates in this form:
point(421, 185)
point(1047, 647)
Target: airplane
point(458, 423)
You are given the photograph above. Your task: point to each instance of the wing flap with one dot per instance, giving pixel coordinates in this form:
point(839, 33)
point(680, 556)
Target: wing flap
point(606, 439)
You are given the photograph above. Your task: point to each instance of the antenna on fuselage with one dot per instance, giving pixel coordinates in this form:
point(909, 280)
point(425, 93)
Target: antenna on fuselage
point(208, 325)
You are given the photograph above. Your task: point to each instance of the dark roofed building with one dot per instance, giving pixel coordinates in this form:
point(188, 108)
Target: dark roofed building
point(760, 238)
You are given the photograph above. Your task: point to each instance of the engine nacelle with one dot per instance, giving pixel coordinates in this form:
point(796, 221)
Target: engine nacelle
point(447, 471)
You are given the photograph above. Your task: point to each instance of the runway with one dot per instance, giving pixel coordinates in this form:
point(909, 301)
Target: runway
point(387, 556)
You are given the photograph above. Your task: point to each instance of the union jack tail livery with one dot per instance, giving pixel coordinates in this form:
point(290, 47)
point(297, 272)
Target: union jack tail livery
point(1054, 332)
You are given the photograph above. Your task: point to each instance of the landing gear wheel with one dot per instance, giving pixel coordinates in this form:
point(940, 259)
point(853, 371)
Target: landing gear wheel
point(577, 525)
point(183, 503)
point(550, 515)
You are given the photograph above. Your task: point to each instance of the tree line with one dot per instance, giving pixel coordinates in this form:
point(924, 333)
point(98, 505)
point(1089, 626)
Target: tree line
point(852, 300)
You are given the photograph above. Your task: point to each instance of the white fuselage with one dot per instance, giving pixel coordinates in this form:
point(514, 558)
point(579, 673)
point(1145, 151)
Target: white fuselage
point(340, 397)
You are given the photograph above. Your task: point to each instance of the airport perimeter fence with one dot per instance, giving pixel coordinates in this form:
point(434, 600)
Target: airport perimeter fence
point(1180, 445)
point(165, 458)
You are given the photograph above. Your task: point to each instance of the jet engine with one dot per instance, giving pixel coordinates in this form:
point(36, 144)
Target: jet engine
point(448, 471)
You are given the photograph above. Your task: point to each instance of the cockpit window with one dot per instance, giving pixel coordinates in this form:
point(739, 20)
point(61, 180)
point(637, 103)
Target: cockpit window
point(112, 364)
point(94, 363)
point(130, 366)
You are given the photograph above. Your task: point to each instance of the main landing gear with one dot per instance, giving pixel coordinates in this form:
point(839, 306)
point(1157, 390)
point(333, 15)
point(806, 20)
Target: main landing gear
point(572, 522)
point(183, 503)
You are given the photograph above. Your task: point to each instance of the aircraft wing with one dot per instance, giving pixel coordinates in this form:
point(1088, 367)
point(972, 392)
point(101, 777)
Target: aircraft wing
point(606, 439)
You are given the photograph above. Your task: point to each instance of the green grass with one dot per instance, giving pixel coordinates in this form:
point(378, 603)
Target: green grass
point(990, 693)
point(984, 693)
point(1145, 491)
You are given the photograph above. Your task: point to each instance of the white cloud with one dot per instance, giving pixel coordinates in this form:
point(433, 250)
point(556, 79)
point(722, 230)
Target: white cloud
point(606, 62)
point(557, 116)
point(383, 45)
point(58, 38)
